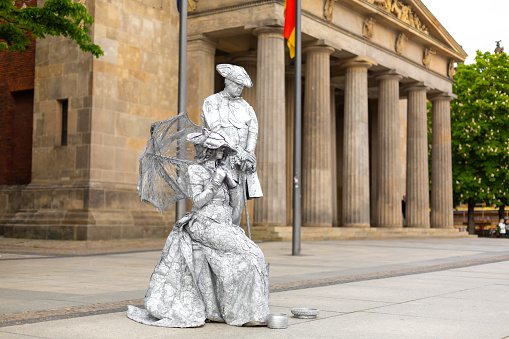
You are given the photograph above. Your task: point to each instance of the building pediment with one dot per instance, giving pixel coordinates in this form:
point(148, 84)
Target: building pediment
point(412, 18)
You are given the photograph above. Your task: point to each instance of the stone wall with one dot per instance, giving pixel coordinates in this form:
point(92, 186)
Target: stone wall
point(85, 188)
point(16, 106)
point(134, 84)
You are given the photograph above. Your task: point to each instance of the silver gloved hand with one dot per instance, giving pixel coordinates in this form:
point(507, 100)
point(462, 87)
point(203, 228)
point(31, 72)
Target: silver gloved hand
point(247, 160)
point(218, 177)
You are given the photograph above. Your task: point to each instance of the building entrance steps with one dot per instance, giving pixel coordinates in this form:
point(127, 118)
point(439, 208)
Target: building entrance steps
point(310, 233)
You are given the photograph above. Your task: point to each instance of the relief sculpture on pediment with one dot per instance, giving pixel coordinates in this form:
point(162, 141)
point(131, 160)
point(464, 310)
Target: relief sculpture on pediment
point(405, 14)
point(396, 8)
point(401, 11)
point(411, 17)
point(383, 4)
point(417, 21)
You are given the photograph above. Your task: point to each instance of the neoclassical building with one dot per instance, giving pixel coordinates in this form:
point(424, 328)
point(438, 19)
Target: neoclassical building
point(369, 69)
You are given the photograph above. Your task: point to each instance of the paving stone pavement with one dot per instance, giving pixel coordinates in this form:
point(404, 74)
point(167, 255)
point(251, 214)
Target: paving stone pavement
point(402, 288)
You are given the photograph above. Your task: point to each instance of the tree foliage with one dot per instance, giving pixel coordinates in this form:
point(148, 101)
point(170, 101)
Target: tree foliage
point(55, 17)
point(480, 131)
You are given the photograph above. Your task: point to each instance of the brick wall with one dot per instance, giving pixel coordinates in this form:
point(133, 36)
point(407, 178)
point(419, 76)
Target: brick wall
point(16, 113)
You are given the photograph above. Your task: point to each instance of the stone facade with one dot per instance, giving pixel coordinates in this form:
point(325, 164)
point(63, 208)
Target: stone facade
point(85, 187)
point(363, 111)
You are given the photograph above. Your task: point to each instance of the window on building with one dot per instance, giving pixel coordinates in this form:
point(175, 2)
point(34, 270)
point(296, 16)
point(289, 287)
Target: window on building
point(65, 109)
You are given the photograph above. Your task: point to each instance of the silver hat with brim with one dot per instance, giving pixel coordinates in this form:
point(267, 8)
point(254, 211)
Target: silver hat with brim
point(209, 139)
point(235, 73)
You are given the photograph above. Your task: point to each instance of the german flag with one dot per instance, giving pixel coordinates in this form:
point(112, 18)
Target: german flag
point(289, 30)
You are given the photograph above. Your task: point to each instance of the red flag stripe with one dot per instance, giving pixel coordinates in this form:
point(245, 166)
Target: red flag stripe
point(289, 18)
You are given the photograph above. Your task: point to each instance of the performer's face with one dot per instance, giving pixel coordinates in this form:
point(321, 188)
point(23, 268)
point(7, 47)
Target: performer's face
point(233, 89)
point(219, 154)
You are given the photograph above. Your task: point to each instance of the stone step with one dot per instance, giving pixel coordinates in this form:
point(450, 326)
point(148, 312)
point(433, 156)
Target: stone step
point(284, 233)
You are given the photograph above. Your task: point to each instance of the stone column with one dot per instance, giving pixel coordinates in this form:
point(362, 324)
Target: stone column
point(373, 158)
point(356, 144)
point(417, 189)
point(441, 163)
point(339, 155)
point(271, 162)
point(248, 61)
point(201, 70)
point(334, 171)
point(403, 125)
point(388, 202)
point(316, 148)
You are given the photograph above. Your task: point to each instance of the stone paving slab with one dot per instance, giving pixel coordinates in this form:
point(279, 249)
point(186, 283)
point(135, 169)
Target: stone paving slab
point(392, 281)
point(343, 314)
point(42, 310)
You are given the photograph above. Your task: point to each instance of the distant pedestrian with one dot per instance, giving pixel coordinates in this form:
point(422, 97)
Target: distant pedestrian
point(507, 227)
point(403, 206)
point(501, 228)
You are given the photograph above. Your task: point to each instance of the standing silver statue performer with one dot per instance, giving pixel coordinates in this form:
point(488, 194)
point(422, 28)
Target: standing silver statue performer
point(209, 269)
point(231, 116)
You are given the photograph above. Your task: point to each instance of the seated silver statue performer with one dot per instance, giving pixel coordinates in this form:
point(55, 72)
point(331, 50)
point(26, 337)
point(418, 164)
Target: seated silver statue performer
point(209, 269)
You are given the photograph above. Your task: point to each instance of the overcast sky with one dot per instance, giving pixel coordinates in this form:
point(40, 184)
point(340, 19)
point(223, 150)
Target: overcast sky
point(473, 24)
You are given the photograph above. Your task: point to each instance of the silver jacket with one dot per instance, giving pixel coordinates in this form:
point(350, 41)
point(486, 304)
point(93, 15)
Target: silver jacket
point(236, 121)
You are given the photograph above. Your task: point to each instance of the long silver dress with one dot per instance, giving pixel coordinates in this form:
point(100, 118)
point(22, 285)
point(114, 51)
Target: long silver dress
point(209, 269)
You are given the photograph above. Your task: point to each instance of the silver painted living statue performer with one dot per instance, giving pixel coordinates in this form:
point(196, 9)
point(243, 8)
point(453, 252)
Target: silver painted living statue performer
point(209, 269)
point(231, 116)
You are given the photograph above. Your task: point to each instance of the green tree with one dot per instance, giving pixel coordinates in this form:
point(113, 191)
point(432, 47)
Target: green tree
point(55, 17)
point(480, 132)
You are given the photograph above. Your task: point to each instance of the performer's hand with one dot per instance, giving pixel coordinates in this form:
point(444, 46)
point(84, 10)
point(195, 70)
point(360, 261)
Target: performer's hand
point(251, 157)
point(245, 155)
point(245, 160)
point(218, 176)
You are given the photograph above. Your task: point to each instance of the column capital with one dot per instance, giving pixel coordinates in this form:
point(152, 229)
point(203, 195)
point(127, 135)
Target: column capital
point(318, 48)
point(444, 96)
point(358, 61)
point(416, 87)
point(276, 30)
point(201, 42)
point(388, 75)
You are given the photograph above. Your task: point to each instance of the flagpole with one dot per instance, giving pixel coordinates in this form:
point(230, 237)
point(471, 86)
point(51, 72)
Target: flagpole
point(297, 138)
point(180, 206)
